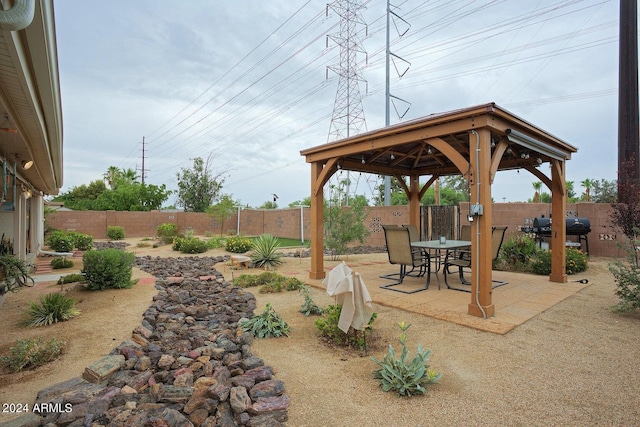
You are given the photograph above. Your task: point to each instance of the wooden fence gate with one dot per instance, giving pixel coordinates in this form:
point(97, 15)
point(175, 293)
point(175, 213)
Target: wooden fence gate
point(439, 221)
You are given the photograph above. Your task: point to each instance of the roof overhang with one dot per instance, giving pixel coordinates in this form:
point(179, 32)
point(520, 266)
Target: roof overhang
point(30, 101)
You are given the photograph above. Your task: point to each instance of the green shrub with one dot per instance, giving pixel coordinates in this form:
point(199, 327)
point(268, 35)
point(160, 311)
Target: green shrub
point(576, 262)
point(115, 232)
point(292, 284)
point(627, 277)
point(32, 353)
point(189, 245)
point(61, 262)
point(517, 251)
point(108, 268)
point(237, 244)
point(61, 241)
point(81, 241)
point(328, 328)
point(70, 278)
point(268, 324)
point(53, 308)
point(271, 287)
point(246, 280)
point(265, 252)
point(216, 242)
point(309, 307)
point(167, 232)
point(399, 374)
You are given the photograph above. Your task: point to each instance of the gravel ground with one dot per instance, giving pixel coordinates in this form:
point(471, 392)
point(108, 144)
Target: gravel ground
point(574, 365)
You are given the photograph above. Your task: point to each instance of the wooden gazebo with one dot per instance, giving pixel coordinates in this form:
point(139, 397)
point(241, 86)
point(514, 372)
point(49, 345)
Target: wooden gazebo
point(475, 142)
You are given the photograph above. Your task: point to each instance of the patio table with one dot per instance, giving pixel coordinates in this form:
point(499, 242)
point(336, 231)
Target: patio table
point(435, 245)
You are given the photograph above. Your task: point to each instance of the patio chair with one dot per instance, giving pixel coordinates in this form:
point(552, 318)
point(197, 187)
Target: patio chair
point(400, 252)
point(462, 260)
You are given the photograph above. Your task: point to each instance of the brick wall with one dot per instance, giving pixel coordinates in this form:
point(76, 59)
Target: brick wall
point(286, 222)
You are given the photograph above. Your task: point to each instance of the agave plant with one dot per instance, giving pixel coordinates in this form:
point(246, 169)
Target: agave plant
point(265, 252)
point(54, 307)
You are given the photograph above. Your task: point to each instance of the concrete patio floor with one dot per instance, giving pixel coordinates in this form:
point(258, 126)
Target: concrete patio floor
point(522, 298)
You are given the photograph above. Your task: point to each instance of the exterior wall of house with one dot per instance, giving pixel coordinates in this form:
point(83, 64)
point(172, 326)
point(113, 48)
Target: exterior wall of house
point(603, 241)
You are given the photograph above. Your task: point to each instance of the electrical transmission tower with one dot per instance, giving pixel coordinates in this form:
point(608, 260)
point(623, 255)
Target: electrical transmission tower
point(348, 114)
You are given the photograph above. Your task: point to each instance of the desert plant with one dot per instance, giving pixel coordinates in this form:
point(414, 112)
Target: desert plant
point(405, 377)
point(115, 232)
point(517, 251)
point(61, 241)
point(215, 242)
point(189, 245)
point(108, 268)
point(237, 244)
point(53, 308)
point(70, 278)
point(81, 241)
point(61, 262)
point(292, 284)
point(265, 252)
point(575, 262)
point(32, 353)
point(17, 273)
point(328, 328)
point(268, 324)
point(308, 306)
point(167, 232)
point(246, 280)
point(627, 277)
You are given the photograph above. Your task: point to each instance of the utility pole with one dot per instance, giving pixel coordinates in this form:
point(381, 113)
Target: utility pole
point(388, 97)
point(628, 138)
point(143, 157)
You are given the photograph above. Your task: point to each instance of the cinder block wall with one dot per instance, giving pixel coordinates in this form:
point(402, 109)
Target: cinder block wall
point(603, 240)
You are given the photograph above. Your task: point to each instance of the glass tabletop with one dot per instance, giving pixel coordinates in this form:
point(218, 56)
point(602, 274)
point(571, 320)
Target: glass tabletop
point(435, 244)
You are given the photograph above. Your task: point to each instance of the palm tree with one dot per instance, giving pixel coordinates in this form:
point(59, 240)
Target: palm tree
point(536, 196)
point(111, 175)
point(587, 184)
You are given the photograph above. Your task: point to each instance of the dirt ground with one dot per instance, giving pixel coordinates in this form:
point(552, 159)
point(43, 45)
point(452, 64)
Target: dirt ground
point(575, 364)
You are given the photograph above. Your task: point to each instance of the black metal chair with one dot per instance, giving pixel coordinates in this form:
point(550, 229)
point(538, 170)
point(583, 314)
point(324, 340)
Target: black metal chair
point(462, 259)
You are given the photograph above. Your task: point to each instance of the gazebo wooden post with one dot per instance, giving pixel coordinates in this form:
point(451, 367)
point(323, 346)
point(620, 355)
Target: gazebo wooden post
point(414, 200)
point(317, 222)
point(481, 275)
point(559, 226)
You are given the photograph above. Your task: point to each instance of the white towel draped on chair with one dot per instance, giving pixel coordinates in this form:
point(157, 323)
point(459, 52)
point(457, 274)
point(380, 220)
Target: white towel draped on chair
point(349, 289)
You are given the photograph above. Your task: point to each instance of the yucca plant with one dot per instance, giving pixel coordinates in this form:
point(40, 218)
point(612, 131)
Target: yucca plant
point(265, 252)
point(54, 307)
point(398, 373)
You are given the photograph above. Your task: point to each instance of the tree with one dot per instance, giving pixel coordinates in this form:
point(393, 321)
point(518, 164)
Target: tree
point(223, 210)
point(344, 225)
point(536, 196)
point(587, 184)
point(603, 191)
point(83, 197)
point(571, 192)
point(111, 175)
point(269, 205)
point(133, 197)
point(304, 202)
point(198, 187)
point(452, 192)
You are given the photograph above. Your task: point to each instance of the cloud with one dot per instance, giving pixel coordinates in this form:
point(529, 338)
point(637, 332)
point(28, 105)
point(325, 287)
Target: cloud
point(249, 82)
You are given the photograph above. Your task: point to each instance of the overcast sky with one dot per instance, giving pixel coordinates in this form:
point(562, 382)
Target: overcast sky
point(247, 83)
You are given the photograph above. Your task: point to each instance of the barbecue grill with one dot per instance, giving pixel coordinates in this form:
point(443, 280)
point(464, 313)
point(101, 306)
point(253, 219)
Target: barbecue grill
point(579, 227)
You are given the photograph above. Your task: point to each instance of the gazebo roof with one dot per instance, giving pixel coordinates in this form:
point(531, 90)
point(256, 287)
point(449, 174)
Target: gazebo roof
point(429, 144)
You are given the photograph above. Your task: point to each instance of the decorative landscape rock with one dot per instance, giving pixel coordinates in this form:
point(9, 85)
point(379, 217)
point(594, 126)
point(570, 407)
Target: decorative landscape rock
point(187, 364)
